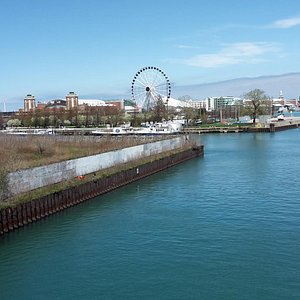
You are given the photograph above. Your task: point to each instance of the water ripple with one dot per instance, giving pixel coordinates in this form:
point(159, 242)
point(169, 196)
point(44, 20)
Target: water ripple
point(225, 226)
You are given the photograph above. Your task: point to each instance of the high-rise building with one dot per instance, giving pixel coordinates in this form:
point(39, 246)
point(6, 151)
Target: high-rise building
point(71, 100)
point(29, 103)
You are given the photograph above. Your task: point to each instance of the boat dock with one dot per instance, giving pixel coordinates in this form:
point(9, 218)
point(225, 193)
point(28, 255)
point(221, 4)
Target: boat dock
point(272, 126)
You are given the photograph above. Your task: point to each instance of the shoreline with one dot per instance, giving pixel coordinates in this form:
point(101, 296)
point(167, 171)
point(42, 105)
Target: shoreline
point(19, 214)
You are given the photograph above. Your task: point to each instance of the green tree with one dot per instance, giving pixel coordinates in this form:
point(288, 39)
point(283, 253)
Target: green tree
point(190, 114)
point(80, 120)
point(67, 123)
point(136, 119)
point(13, 123)
point(256, 103)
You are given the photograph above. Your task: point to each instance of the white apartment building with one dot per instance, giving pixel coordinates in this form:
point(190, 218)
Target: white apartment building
point(215, 103)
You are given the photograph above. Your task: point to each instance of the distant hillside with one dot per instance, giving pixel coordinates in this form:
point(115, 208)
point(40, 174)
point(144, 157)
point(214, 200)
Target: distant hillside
point(288, 83)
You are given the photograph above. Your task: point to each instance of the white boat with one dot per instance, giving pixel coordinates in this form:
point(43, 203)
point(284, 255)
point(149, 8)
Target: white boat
point(160, 128)
point(149, 129)
point(26, 131)
point(112, 131)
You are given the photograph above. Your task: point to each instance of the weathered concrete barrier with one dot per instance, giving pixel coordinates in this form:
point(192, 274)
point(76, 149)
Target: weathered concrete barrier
point(272, 127)
point(30, 179)
point(12, 218)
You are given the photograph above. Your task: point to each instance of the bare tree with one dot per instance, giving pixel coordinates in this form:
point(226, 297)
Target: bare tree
point(1, 120)
point(185, 98)
point(159, 111)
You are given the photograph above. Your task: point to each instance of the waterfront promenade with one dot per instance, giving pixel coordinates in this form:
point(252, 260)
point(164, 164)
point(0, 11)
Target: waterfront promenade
point(273, 126)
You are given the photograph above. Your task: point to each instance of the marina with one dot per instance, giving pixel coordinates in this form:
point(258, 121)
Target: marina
point(165, 128)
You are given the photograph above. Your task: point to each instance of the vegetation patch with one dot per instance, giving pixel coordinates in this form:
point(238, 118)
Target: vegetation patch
point(38, 193)
point(3, 183)
point(21, 152)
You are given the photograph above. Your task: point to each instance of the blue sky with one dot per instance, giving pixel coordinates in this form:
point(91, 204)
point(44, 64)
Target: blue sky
point(95, 47)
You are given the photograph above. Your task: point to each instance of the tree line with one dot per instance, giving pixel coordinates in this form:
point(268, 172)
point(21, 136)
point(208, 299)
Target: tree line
point(257, 103)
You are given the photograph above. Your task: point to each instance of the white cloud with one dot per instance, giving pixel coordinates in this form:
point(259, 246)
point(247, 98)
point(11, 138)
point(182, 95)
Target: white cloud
point(286, 23)
point(184, 47)
point(187, 47)
point(211, 60)
point(233, 54)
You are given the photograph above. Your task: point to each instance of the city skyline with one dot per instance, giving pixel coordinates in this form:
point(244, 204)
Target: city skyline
point(94, 47)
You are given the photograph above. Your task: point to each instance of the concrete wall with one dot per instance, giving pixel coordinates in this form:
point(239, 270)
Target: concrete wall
point(26, 180)
point(25, 213)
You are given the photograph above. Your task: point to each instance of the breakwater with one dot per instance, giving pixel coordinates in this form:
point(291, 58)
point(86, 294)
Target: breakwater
point(237, 129)
point(288, 123)
point(22, 214)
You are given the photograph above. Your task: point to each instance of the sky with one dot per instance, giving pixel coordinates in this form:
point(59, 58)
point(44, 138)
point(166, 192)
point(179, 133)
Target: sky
point(95, 47)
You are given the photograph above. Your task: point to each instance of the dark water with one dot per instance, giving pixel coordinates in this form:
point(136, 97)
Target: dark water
point(224, 226)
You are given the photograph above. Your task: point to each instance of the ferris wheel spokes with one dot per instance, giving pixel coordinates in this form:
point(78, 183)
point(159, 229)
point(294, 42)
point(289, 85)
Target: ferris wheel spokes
point(150, 85)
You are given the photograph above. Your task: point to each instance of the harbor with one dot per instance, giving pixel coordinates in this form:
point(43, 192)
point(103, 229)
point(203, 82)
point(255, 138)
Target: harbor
point(149, 150)
point(221, 226)
point(272, 124)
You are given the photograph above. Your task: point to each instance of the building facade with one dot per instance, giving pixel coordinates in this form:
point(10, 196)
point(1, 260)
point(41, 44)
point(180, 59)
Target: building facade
point(71, 100)
point(214, 103)
point(29, 103)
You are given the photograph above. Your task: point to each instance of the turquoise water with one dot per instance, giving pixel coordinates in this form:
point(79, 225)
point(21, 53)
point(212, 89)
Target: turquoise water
point(223, 226)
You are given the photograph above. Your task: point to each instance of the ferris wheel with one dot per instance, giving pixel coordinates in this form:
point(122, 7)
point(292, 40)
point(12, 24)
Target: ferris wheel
point(150, 85)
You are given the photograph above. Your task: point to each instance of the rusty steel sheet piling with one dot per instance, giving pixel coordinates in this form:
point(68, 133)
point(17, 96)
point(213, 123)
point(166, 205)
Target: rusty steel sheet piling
point(22, 214)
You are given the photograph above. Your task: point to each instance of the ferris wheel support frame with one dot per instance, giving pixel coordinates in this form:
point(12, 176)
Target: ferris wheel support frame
point(149, 85)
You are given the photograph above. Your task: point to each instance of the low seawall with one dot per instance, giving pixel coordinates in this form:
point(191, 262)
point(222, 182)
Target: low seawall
point(272, 128)
point(289, 123)
point(22, 214)
point(26, 180)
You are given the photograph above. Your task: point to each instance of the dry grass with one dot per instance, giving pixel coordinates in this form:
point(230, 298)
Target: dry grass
point(21, 152)
point(43, 191)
